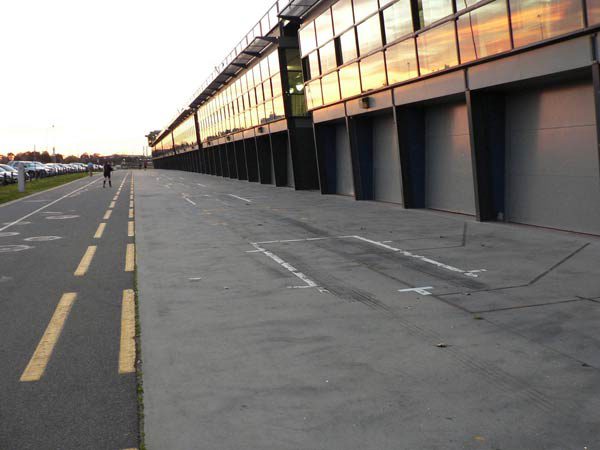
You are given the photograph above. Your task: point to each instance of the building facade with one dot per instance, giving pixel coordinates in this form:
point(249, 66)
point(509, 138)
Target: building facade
point(485, 108)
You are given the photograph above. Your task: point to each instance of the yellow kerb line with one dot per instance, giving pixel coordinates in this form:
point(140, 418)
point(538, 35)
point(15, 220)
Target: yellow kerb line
point(85, 261)
point(130, 258)
point(107, 214)
point(131, 213)
point(127, 350)
point(130, 229)
point(100, 230)
point(37, 365)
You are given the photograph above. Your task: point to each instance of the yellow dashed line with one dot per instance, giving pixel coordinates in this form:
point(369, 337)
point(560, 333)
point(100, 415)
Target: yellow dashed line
point(107, 214)
point(100, 230)
point(37, 365)
point(112, 204)
point(130, 229)
point(131, 203)
point(130, 258)
point(131, 213)
point(85, 261)
point(127, 350)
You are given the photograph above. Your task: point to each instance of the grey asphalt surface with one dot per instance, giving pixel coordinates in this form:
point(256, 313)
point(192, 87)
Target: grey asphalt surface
point(81, 402)
point(306, 342)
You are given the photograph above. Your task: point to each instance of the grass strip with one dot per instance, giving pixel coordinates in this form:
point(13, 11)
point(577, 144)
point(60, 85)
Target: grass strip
point(11, 192)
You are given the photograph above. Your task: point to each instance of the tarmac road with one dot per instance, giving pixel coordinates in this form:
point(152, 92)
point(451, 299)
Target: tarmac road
point(281, 319)
point(66, 372)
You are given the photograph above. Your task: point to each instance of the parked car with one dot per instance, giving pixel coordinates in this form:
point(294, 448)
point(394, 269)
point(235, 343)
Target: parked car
point(6, 177)
point(13, 171)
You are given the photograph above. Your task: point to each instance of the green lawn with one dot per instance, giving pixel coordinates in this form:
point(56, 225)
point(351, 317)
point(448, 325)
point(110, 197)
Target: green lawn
point(11, 191)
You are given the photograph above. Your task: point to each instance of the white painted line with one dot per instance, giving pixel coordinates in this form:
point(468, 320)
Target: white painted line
point(309, 283)
point(199, 184)
point(293, 240)
point(46, 206)
point(240, 198)
point(189, 201)
point(419, 290)
point(468, 273)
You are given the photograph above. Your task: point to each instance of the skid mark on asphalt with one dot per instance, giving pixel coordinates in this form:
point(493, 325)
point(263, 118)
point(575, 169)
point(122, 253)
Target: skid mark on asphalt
point(37, 365)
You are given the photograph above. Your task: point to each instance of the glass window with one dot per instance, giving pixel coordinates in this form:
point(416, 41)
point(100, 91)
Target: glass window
point(278, 109)
point(348, 45)
point(593, 9)
point(536, 20)
point(350, 80)
point(369, 35)
point(462, 4)
point(264, 68)
point(437, 48)
point(372, 72)
point(484, 31)
point(401, 61)
point(328, 59)
point(268, 111)
point(382, 3)
point(308, 40)
point(273, 63)
point(324, 27)
point(259, 94)
point(276, 83)
point(397, 20)
point(314, 98)
point(256, 75)
point(313, 64)
point(267, 89)
point(331, 88)
point(295, 82)
point(432, 10)
point(362, 8)
point(342, 15)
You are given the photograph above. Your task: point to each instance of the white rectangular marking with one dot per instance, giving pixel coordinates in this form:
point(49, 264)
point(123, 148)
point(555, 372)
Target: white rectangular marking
point(240, 198)
point(468, 273)
point(190, 201)
point(287, 266)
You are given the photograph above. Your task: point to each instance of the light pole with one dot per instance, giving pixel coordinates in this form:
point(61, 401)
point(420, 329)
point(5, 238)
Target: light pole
point(53, 146)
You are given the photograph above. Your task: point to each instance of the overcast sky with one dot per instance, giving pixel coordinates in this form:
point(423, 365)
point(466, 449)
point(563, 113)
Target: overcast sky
point(105, 73)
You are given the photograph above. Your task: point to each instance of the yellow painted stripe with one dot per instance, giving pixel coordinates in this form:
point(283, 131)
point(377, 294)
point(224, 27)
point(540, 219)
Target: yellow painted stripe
point(130, 258)
point(107, 214)
point(37, 365)
point(131, 213)
point(131, 203)
point(112, 204)
point(115, 198)
point(85, 262)
point(100, 230)
point(127, 350)
point(130, 229)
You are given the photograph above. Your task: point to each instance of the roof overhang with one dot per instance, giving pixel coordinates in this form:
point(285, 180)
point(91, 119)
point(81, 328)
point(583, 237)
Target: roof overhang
point(296, 9)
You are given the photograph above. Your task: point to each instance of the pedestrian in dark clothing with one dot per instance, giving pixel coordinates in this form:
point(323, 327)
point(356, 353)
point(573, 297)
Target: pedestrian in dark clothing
point(107, 170)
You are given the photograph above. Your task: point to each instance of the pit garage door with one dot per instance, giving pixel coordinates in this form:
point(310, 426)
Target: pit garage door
point(552, 158)
point(343, 162)
point(448, 169)
point(387, 181)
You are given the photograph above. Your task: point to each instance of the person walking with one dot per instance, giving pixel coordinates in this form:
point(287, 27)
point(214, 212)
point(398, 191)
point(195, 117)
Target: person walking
point(107, 170)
